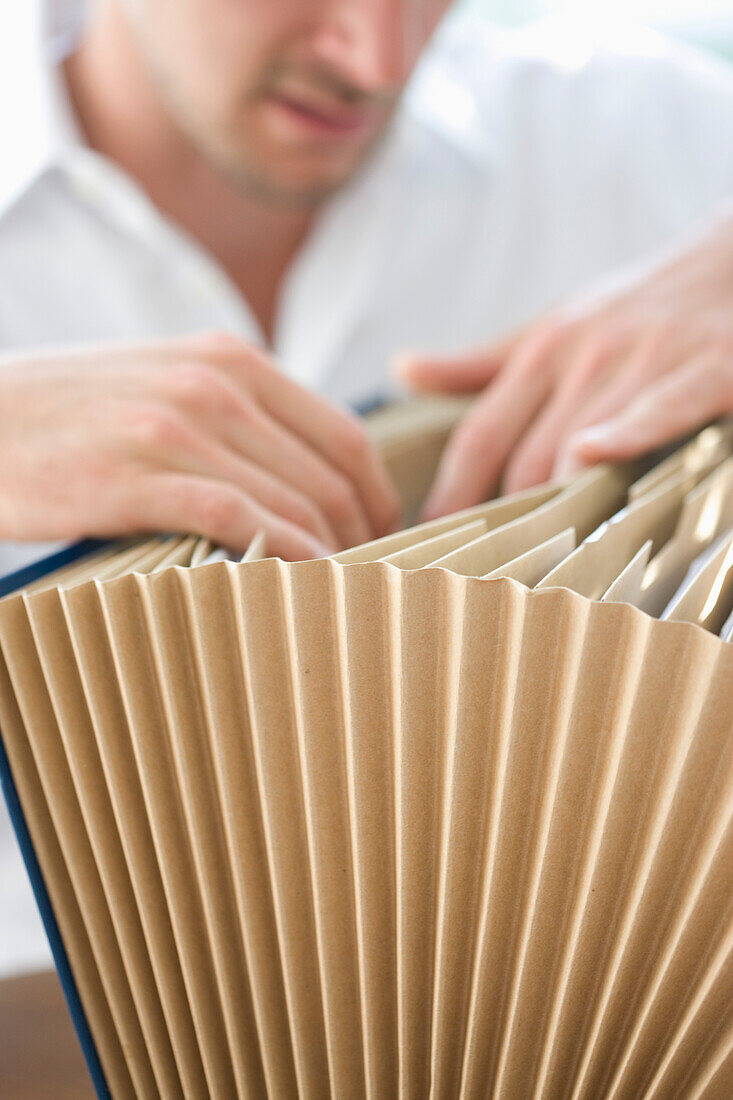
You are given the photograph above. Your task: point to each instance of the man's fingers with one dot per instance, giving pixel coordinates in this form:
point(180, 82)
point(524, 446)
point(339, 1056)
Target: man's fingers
point(533, 458)
point(479, 447)
point(169, 440)
point(218, 511)
point(332, 433)
point(343, 443)
point(471, 370)
point(669, 408)
point(269, 445)
point(223, 411)
point(653, 357)
point(451, 374)
point(481, 444)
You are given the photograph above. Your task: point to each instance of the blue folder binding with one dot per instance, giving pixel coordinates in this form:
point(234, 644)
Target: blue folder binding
point(8, 584)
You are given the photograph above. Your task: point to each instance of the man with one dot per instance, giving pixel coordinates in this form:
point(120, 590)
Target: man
point(255, 169)
point(259, 170)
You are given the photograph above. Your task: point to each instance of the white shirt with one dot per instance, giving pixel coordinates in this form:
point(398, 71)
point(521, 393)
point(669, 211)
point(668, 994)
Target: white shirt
point(521, 165)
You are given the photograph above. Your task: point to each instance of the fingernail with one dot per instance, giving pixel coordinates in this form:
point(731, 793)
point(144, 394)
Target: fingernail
point(598, 435)
point(597, 432)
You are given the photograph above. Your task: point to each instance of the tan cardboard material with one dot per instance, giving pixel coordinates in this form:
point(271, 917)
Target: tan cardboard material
point(704, 451)
point(707, 511)
point(85, 568)
point(726, 632)
point(494, 514)
point(531, 567)
point(437, 546)
point(626, 588)
point(704, 596)
point(180, 554)
point(604, 555)
point(583, 504)
point(201, 551)
point(79, 946)
point(55, 786)
point(300, 866)
point(257, 548)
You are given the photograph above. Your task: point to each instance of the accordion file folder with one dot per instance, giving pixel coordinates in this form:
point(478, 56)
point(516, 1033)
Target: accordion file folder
point(446, 815)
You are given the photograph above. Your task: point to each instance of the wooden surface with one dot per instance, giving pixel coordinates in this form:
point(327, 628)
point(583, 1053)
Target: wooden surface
point(40, 1056)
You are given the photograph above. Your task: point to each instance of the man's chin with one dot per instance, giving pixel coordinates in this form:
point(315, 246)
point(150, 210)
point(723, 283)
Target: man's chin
point(297, 194)
point(295, 180)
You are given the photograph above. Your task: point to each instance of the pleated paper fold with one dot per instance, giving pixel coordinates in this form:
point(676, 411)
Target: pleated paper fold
point(356, 830)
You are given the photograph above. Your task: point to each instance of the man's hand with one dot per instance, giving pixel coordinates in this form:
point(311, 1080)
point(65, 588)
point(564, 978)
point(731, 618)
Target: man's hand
point(609, 377)
point(200, 435)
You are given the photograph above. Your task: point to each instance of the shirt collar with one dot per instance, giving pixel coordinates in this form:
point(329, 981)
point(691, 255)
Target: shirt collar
point(44, 132)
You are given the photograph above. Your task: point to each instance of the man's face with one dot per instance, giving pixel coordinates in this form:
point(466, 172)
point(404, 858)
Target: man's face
point(286, 97)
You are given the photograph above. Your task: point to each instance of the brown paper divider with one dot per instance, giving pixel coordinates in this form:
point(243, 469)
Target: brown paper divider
point(88, 634)
point(715, 1081)
point(219, 554)
point(551, 648)
point(60, 888)
point(615, 948)
point(704, 595)
point(626, 588)
point(477, 747)
point(714, 1077)
point(696, 1023)
point(314, 619)
point(210, 595)
point(707, 511)
point(201, 551)
point(257, 548)
point(368, 629)
point(498, 817)
point(142, 553)
point(600, 559)
point(424, 675)
point(495, 513)
point(599, 697)
point(700, 455)
point(142, 557)
point(425, 553)
point(180, 554)
point(684, 909)
point(261, 612)
point(66, 695)
point(87, 565)
point(177, 653)
point(726, 631)
point(142, 681)
point(118, 561)
point(146, 563)
point(57, 787)
point(584, 504)
point(531, 567)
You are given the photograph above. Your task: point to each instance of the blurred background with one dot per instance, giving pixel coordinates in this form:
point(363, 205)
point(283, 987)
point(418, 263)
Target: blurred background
point(707, 23)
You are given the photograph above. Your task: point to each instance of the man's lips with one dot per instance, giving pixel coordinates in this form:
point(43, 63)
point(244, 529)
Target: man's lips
point(321, 120)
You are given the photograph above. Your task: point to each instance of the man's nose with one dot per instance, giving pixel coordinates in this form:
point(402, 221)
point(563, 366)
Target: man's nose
point(374, 43)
